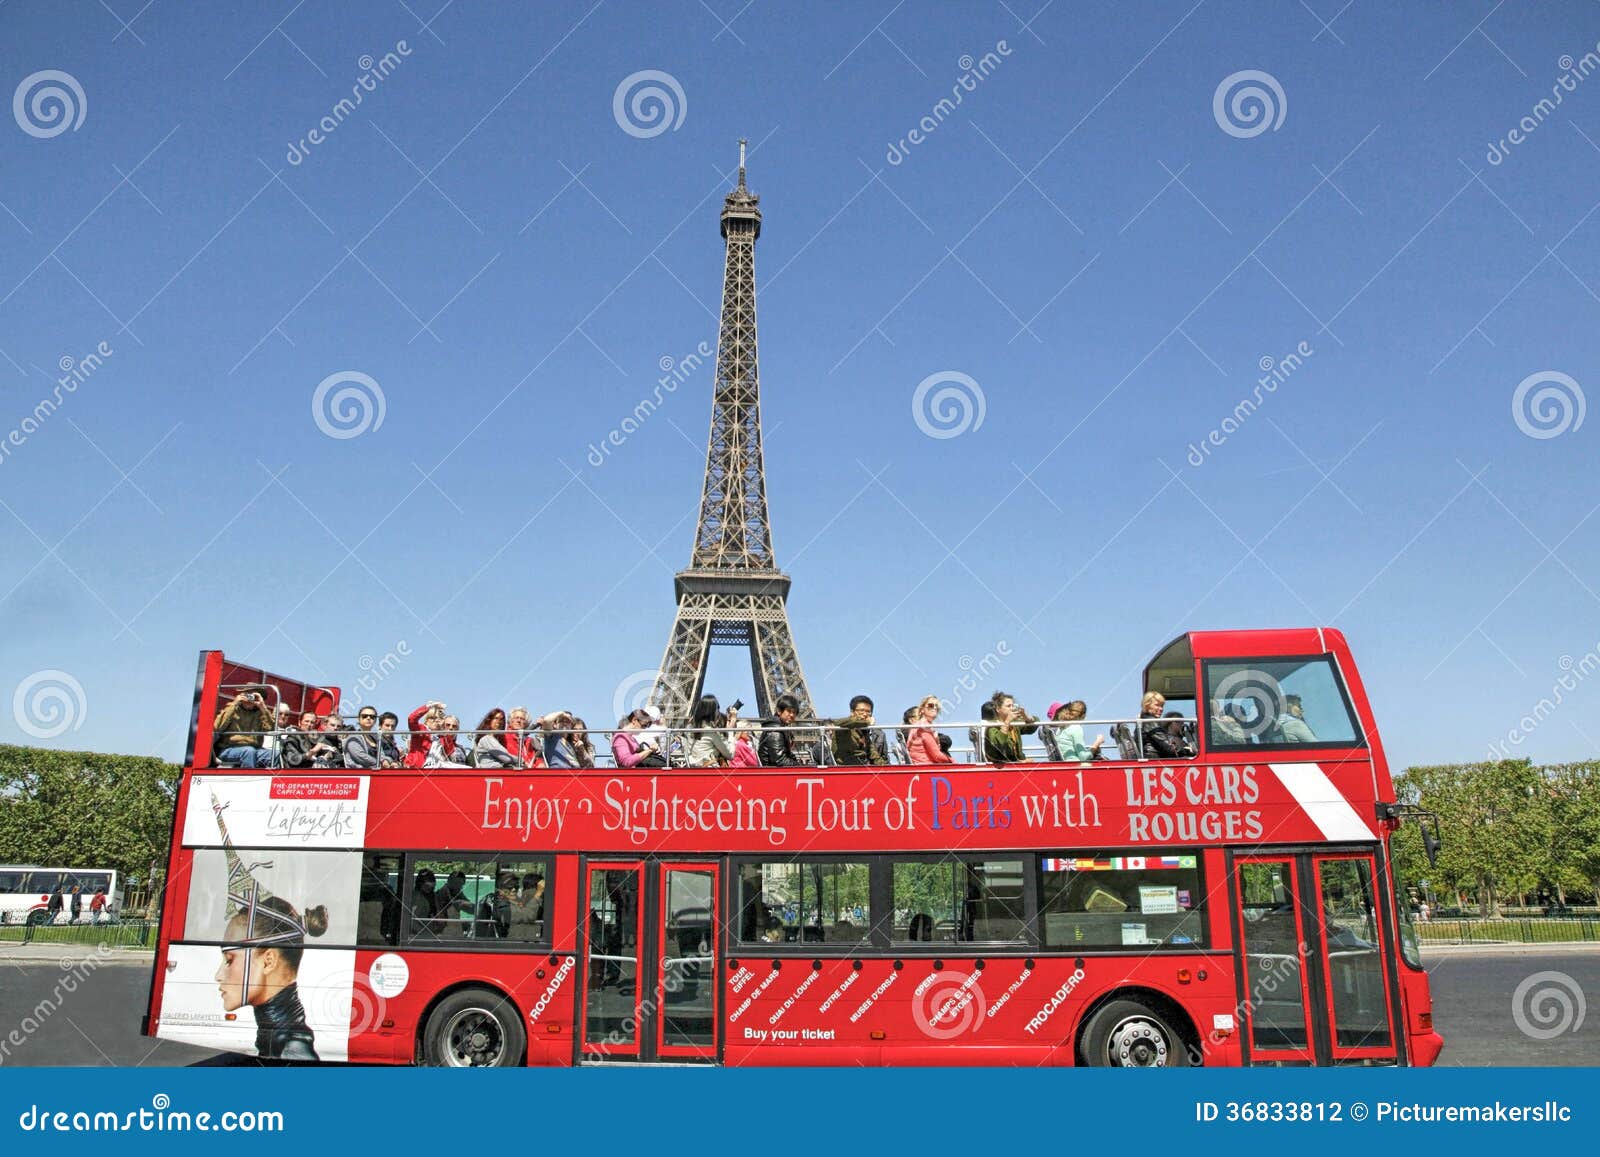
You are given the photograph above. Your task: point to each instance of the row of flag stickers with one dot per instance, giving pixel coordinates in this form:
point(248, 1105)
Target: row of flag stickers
point(1115, 863)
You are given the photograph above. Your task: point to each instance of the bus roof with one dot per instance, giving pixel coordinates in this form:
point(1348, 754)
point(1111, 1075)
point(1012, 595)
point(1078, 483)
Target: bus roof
point(1171, 672)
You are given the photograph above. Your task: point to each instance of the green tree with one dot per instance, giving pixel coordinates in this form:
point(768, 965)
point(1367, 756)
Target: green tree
point(81, 809)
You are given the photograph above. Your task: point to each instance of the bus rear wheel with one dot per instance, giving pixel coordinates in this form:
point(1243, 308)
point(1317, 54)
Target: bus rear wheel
point(1128, 1034)
point(473, 1028)
point(39, 917)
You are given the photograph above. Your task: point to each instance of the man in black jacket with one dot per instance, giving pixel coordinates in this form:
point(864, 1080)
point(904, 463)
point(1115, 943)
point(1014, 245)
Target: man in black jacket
point(776, 748)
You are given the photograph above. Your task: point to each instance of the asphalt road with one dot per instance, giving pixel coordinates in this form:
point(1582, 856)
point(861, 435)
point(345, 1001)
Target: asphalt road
point(98, 1024)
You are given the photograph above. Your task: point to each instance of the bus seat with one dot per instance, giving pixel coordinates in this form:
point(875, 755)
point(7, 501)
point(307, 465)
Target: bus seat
point(1127, 745)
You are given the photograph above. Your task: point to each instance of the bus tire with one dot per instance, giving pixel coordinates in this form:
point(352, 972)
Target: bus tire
point(473, 1028)
point(1131, 1034)
point(39, 918)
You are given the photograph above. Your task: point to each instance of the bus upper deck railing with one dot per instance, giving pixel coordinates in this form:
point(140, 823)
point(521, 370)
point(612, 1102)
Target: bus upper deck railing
point(813, 744)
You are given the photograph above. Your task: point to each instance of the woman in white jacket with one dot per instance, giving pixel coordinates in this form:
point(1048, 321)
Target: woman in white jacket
point(710, 746)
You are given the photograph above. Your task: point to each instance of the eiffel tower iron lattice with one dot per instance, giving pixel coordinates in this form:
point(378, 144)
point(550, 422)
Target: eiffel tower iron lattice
point(732, 593)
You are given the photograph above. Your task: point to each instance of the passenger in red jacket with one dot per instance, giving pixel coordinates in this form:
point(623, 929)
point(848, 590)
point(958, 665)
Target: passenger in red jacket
point(923, 746)
point(422, 723)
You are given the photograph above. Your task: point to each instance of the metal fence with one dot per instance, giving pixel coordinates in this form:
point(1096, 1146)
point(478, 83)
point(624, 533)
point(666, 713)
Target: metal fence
point(1555, 930)
point(122, 934)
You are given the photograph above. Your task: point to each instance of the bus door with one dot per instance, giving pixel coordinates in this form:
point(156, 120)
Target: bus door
point(650, 961)
point(1317, 986)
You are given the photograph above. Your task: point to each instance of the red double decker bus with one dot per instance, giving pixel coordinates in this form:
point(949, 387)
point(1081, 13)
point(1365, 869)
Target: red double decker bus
point(1233, 906)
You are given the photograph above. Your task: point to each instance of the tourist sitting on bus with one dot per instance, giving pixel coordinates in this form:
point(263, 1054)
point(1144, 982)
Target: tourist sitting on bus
point(920, 928)
point(241, 727)
point(424, 903)
point(362, 748)
point(446, 750)
point(744, 748)
point(490, 748)
point(283, 725)
point(1161, 740)
point(521, 740)
point(1226, 729)
point(389, 752)
point(1291, 726)
point(709, 746)
point(626, 750)
point(452, 901)
point(899, 753)
point(422, 722)
point(776, 748)
point(529, 905)
point(1069, 736)
point(558, 749)
point(922, 745)
point(582, 747)
point(493, 921)
point(328, 751)
point(1003, 743)
point(856, 742)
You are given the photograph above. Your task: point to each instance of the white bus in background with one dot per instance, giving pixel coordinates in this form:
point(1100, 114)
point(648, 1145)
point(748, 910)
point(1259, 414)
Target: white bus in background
point(25, 892)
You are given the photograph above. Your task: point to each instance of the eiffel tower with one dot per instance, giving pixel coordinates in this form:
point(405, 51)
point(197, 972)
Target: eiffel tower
point(732, 593)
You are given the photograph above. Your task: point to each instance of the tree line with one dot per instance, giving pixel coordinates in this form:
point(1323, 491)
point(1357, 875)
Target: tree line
point(1513, 832)
point(82, 809)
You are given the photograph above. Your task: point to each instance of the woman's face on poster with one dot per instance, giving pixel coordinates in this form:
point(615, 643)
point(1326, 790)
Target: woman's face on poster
point(262, 983)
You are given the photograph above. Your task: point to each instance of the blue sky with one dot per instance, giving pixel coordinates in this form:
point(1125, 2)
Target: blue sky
point(1082, 237)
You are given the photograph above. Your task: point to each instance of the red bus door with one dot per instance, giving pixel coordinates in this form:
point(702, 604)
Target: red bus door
point(1315, 976)
point(650, 961)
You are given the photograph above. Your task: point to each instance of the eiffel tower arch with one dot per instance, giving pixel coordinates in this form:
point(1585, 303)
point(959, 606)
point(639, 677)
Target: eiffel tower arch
point(732, 592)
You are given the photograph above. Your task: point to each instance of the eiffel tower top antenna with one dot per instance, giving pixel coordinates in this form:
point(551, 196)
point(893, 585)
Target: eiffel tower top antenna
point(732, 593)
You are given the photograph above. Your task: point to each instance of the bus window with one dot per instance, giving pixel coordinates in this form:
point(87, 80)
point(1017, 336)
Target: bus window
point(1121, 901)
point(497, 900)
point(1278, 703)
point(11, 882)
point(43, 882)
point(806, 901)
point(957, 900)
point(378, 914)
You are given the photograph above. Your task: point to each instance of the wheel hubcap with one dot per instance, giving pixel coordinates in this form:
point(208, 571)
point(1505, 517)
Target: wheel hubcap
point(474, 1039)
point(1137, 1043)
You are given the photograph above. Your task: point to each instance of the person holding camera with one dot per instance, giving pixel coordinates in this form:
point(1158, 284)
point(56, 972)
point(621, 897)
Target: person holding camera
point(1002, 742)
point(242, 728)
point(857, 742)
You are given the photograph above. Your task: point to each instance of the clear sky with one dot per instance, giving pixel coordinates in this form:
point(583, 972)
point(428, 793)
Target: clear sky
point(1105, 248)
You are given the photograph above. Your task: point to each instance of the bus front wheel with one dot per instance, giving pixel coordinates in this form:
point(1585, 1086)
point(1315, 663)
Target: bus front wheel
point(1130, 1035)
point(474, 1028)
